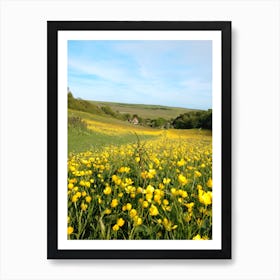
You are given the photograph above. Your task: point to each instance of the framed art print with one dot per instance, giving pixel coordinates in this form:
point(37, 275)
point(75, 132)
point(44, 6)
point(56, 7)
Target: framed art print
point(139, 140)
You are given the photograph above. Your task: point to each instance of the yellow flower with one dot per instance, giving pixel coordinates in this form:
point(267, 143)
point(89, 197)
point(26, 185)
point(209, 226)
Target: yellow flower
point(120, 222)
point(132, 213)
point(153, 210)
point(82, 183)
point(84, 207)
point(124, 169)
point(151, 173)
point(88, 199)
point(184, 194)
point(75, 198)
point(128, 206)
point(70, 230)
point(84, 193)
point(114, 203)
point(209, 183)
point(190, 206)
point(107, 190)
point(205, 197)
point(197, 174)
point(197, 237)
point(139, 190)
point(145, 204)
point(116, 180)
point(138, 221)
point(149, 196)
point(165, 202)
point(166, 181)
point(181, 162)
point(188, 217)
point(137, 159)
point(168, 225)
point(107, 211)
point(182, 179)
point(70, 186)
point(157, 198)
point(150, 189)
point(115, 227)
point(174, 191)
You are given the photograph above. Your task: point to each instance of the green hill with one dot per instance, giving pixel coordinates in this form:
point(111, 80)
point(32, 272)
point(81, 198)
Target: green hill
point(143, 110)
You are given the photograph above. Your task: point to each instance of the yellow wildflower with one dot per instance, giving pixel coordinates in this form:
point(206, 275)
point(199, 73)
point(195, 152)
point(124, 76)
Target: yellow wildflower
point(138, 221)
point(115, 227)
point(84, 206)
point(153, 210)
point(205, 197)
point(120, 222)
point(114, 203)
point(197, 237)
point(166, 181)
point(209, 183)
point(181, 162)
point(70, 230)
point(107, 211)
point(124, 169)
point(132, 213)
point(128, 206)
point(145, 204)
point(75, 198)
point(182, 179)
point(107, 190)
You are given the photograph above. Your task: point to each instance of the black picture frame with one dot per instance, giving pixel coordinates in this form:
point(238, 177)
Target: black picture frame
point(53, 27)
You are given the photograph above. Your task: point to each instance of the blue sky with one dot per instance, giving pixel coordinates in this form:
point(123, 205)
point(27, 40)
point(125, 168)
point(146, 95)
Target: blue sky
point(171, 73)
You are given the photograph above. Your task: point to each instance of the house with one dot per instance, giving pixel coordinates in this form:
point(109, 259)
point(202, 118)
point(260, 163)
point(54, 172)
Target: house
point(135, 120)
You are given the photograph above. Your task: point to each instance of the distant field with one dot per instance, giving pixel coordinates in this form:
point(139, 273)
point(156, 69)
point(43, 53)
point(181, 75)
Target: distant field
point(144, 111)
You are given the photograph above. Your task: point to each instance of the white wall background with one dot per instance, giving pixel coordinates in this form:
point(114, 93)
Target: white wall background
point(255, 127)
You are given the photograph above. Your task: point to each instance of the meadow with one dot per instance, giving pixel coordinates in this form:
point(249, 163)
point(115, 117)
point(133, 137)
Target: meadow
point(127, 181)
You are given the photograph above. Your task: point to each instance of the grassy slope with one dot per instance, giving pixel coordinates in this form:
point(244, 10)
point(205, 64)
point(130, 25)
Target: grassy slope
point(84, 140)
point(79, 141)
point(145, 111)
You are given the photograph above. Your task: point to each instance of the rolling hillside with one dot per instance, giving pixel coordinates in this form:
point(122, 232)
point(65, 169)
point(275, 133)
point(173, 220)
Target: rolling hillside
point(144, 111)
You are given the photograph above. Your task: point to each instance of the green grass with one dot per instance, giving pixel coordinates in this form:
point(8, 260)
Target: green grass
point(79, 141)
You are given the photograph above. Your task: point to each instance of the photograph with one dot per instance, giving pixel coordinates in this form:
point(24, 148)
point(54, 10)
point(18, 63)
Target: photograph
point(139, 139)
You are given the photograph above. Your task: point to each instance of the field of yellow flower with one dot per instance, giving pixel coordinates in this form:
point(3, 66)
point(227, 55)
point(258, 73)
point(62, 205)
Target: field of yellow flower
point(155, 189)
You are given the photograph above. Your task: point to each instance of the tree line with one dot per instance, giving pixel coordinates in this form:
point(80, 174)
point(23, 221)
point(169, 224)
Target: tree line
point(192, 119)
